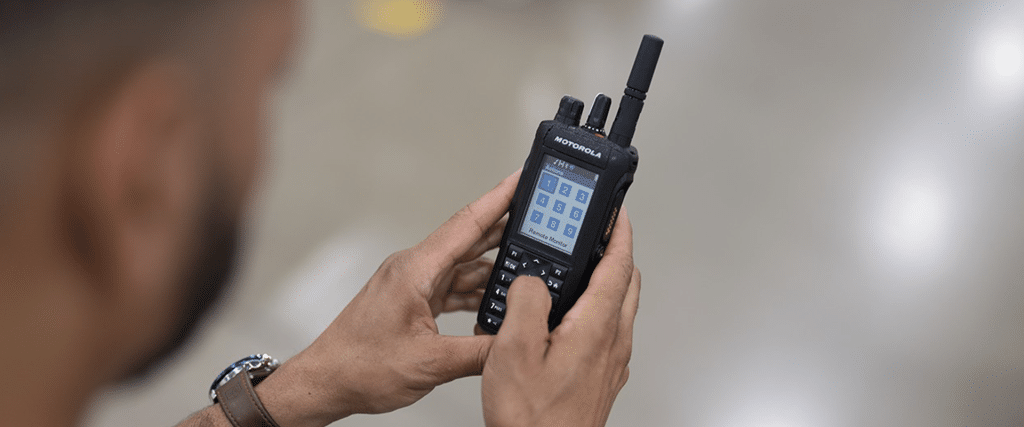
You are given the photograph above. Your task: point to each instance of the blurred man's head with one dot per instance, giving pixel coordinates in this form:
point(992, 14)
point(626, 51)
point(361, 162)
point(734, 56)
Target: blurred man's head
point(129, 139)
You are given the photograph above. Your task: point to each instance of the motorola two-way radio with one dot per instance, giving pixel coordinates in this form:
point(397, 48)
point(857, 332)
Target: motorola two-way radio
point(569, 196)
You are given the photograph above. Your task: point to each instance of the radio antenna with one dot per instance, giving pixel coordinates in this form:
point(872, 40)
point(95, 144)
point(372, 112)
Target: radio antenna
point(636, 91)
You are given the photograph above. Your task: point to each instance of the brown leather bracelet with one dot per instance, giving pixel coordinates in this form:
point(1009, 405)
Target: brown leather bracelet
point(241, 405)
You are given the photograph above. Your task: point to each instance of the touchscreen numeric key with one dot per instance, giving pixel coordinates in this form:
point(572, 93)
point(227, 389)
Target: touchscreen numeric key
point(559, 207)
point(565, 190)
point(548, 182)
point(576, 214)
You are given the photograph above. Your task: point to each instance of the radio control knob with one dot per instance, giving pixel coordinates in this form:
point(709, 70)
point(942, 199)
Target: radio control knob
point(570, 110)
point(599, 114)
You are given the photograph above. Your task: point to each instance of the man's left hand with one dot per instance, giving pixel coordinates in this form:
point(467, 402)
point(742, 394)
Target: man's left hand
point(384, 352)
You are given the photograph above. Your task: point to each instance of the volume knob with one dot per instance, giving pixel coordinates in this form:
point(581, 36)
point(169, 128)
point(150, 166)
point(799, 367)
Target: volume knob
point(599, 114)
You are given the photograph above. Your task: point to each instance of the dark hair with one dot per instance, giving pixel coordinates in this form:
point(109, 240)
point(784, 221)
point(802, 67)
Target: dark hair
point(54, 52)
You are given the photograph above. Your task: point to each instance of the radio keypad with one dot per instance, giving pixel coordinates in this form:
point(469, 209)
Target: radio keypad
point(521, 263)
point(492, 320)
point(497, 308)
point(554, 284)
point(511, 265)
point(534, 266)
point(500, 292)
point(505, 278)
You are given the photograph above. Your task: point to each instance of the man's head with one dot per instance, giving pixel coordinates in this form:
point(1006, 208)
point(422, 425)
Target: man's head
point(129, 139)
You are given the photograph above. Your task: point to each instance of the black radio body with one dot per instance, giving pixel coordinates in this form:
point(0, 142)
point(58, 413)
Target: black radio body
point(569, 195)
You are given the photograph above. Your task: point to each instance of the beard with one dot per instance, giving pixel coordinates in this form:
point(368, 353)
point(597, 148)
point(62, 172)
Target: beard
point(204, 280)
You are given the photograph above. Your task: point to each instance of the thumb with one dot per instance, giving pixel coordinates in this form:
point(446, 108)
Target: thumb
point(525, 328)
point(459, 357)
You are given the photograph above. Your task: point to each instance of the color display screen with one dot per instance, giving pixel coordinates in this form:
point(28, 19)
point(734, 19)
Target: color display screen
point(559, 204)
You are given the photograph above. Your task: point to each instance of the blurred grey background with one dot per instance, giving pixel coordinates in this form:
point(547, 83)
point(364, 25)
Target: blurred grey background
point(829, 209)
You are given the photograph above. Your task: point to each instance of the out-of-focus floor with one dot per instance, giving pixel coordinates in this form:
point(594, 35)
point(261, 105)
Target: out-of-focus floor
point(829, 209)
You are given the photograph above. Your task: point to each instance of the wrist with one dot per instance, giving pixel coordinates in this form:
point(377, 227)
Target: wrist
point(295, 397)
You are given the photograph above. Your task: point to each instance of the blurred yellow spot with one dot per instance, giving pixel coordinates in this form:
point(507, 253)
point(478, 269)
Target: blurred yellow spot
point(399, 18)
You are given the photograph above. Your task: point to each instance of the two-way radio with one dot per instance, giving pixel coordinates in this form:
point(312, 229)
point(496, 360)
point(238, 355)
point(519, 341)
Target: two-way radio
point(569, 196)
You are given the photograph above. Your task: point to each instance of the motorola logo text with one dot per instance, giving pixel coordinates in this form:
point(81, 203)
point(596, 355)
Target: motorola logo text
point(577, 146)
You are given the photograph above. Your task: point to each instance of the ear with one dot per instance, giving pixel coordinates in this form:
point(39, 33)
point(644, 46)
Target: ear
point(136, 182)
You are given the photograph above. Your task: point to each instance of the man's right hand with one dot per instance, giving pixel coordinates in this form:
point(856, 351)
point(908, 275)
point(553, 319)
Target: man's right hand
point(570, 376)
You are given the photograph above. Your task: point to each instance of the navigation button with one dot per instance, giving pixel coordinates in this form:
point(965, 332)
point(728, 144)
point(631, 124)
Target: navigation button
point(534, 266)
point(542, 267)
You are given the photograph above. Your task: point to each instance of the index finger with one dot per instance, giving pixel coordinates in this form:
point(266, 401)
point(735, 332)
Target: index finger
point(602, 302)
point(456, 236)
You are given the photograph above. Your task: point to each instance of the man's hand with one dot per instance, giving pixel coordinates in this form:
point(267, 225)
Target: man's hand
point(383, 352)
point(568, 377)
